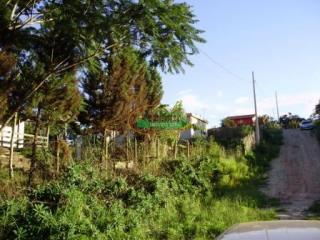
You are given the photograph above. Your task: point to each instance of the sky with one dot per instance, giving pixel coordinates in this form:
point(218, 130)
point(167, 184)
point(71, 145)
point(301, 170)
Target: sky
point(278, 40)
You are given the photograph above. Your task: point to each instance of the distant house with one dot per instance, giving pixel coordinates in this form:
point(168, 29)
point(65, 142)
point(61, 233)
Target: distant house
point(18, 138)
point(199, 127)
point(243, 119)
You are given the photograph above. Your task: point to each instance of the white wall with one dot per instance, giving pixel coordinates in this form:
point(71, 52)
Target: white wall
point(5, 136)
point(190, 133)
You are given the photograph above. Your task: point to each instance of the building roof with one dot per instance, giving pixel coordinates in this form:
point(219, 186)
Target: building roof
point(241, 116)
point(197, 117)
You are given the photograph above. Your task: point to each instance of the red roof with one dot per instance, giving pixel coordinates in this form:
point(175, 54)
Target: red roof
point(241, 116)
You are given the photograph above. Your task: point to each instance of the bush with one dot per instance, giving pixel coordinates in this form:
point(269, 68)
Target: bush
point(231, 138)
point(267, 150)
point(191, 199)
point(317, 129)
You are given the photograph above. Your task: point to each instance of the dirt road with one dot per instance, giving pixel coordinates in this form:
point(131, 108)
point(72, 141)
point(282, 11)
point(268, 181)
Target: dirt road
point(294, 177)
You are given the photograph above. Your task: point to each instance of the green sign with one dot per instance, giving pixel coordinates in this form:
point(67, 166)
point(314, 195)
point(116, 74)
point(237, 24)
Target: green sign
point(146, 124)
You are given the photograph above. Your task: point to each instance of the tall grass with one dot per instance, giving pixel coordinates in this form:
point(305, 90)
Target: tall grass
point(187, 198)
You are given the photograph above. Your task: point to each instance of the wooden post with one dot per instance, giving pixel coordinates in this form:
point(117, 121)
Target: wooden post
point(157, 148)
point(57, 156)
point(127, 151)
point(34, 147)
point(175, 149)
point(12, 146)
point(18, 133)
point(47, 135)
point(78, 147)
point(188, 149)
point(135, 150)
point(106, 151)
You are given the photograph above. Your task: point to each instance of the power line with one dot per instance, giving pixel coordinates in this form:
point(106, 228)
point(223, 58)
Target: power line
point(222, 66)
point(237, 77)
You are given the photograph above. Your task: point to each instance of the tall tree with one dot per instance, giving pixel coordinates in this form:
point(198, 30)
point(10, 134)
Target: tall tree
point(58, 103)
point(118, 94)
point(162, 31)
point(7, 71)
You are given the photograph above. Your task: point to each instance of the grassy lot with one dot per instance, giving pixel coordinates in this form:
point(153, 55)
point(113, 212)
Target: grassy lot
point(184, 199)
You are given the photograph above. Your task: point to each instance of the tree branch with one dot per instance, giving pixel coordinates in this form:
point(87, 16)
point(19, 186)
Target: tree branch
point(55, 71)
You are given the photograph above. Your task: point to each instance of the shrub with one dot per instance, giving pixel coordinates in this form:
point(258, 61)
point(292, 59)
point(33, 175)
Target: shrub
point(231, 138)
point(193, 198)
point(317, 129)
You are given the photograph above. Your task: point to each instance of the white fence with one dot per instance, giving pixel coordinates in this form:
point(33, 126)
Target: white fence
point(20, 139)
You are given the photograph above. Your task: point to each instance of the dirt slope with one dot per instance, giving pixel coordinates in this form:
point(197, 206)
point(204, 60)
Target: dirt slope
point(19, 161)
point(294, 177)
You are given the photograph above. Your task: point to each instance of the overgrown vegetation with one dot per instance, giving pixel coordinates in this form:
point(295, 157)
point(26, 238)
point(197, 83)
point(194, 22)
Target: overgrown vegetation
point(194, 198)
point(314, 211)
point(90, 70)
point(231, 138)
point(317, 129)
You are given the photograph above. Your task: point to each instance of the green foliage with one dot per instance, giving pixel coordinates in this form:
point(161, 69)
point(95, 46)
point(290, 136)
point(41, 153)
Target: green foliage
point(117, 96)
point(229, 123)
point(165, 113)
point(71, 37)
point(268, 149)
point(231, 137)
point(189, 199)
point(290, 121)
point(317, 129)
point(315, 211)
point(7, 70)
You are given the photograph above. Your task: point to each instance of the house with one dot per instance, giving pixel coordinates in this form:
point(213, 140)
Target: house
point(199, 127)
point(18, 138)
point(243, 119)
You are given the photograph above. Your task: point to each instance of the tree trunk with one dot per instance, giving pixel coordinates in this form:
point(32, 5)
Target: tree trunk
point(34, 147)
point(12, 146)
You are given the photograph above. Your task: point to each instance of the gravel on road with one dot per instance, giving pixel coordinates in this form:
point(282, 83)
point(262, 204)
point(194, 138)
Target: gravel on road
point(294, 177)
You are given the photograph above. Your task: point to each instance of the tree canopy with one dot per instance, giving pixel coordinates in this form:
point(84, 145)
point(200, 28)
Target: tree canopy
point(63, 37)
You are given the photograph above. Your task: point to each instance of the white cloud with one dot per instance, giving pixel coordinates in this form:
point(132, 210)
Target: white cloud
point(241, 100)
point(305, 102)
point(214, 116)
point(219, 107)
point(192, 103)
point(301, 104)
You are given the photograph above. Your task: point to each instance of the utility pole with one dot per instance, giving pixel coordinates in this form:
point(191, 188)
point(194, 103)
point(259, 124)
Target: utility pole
point(256, 110)
point(277, 106)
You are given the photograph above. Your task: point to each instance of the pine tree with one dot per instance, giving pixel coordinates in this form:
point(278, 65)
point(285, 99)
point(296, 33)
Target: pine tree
point(115, 96)
point(162, 31)
point(57, 103)
point(7, 71)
